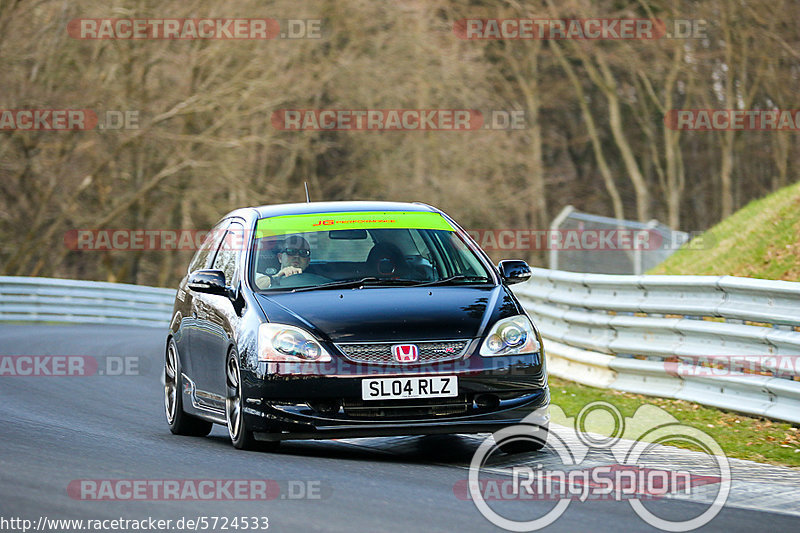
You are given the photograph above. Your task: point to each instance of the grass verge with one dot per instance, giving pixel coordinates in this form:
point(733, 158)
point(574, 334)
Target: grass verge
point(740, 436)
point(761, 240)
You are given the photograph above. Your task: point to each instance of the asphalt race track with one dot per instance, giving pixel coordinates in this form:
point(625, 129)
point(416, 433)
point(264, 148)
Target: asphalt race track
point(56, 430)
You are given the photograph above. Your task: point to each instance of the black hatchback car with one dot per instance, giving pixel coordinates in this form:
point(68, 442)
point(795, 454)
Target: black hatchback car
point(349, 319)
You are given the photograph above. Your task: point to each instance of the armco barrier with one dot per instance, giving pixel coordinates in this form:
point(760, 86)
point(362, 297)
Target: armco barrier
point(631, 333)
point(89, 302)
point(622, 332)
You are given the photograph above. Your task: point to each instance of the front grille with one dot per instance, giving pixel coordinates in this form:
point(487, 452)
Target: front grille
point(406, 408)
point(381, 353)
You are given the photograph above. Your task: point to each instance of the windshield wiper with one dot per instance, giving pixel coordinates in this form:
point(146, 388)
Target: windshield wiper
point(353, 283)
point(457, 277)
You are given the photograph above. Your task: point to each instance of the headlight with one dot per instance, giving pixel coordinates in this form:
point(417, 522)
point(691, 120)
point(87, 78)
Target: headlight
point(511, 336)
point(279, 342)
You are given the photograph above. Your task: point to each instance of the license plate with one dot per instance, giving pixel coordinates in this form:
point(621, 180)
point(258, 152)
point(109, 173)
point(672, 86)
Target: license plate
point(399, 388)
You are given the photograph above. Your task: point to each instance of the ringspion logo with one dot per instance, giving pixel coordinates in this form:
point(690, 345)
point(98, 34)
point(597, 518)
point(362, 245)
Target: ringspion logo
point(640, 472)
point(598, 483)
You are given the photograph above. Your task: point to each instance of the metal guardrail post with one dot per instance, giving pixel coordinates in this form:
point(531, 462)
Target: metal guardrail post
point(554, 226)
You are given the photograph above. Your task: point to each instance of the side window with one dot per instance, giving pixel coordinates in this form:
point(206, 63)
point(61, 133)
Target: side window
point(210, 244)
point(227, 258)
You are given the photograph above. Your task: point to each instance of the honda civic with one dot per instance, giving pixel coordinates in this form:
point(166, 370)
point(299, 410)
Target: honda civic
point(350, 319)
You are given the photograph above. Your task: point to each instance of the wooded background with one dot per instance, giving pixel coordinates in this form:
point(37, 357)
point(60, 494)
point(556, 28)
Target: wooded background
point(595, 135)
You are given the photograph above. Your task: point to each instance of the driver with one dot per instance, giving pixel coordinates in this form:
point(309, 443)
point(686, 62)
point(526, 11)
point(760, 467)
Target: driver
point(293, 257)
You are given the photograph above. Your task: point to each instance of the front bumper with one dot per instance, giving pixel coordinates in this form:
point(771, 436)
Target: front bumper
point(286, 402)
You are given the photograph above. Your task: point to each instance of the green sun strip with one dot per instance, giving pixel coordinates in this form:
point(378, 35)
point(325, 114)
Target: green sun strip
point(284, 225)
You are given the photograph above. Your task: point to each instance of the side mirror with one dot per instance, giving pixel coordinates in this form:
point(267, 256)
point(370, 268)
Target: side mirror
point(514, 271)
point(209, 282)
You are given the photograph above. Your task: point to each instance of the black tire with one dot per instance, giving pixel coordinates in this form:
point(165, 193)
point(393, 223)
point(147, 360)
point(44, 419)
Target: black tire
point(180, 423)
point(526, 443)
point(241, 436)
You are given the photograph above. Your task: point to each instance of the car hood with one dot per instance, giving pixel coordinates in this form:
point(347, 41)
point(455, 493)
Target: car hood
point(373, 314)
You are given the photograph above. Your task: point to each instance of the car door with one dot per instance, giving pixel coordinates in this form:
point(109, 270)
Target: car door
point(215, 328)
point(192, 314)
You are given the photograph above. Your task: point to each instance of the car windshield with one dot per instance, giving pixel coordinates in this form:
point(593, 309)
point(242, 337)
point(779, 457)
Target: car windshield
point(372, 251)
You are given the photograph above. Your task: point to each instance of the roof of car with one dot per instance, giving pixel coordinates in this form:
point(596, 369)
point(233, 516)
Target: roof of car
point(338, 207)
